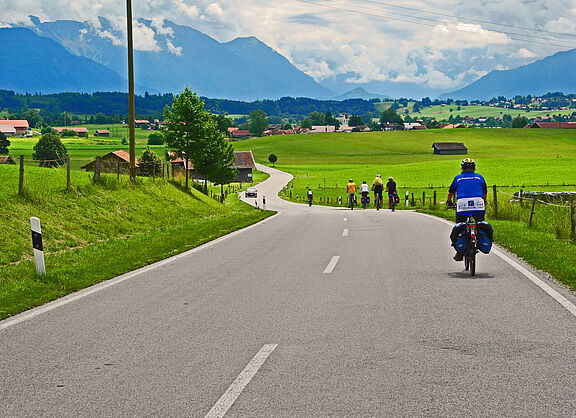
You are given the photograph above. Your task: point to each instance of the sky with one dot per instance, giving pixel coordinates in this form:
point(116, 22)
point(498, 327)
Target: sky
point(442, 44)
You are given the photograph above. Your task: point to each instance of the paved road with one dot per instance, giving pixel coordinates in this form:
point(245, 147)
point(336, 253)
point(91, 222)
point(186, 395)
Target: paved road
point(314, 312)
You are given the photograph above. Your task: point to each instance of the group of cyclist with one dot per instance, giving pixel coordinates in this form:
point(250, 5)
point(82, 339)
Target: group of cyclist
point(468, 188)
point(377, 187)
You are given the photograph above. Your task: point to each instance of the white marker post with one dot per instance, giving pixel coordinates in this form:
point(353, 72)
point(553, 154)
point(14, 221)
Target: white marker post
point(37, 245)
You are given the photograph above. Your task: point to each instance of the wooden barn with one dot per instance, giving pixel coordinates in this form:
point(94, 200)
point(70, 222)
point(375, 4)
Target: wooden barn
point(449, 148)
point(111, 162)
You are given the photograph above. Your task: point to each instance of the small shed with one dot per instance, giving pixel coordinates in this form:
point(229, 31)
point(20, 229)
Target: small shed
point(82, 132)
point(449, 148)
point(102, 132)
point(6, 159)
point(111, 162)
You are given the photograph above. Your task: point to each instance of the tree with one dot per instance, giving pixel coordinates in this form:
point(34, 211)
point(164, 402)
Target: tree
point(216, 163)
point(306, 124)
point(33, 117)
point(390, 116)
point(150, 163)
point(156, 138)
point(355, 120)
point(258, 122)
point(331, 120)
point(50, 151)
point(4, 144)
point(519, 122)
point(187, 127)
point(224, 123)
point(317, 118)
point(272, 158)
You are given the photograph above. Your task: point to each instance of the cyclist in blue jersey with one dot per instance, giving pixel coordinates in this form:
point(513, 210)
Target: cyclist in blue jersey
point(471, 191)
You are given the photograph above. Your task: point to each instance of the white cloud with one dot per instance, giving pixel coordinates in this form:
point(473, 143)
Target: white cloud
point(144, 38)
point(324, 42)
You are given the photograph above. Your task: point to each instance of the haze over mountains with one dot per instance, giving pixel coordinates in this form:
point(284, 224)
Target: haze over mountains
point(67, 55)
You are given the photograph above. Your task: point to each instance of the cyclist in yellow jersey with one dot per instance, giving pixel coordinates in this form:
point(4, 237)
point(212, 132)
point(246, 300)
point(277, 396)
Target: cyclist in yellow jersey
point(351, 190)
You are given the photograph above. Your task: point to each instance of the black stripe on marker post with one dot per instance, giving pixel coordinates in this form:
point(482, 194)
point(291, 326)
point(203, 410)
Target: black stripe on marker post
point(37, 241)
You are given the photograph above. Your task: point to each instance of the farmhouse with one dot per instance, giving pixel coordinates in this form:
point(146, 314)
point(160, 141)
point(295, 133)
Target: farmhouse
point(322, 128)
point(241, 133)
point(7, 130)
point(82, 132)
point(545, 125)
point(413, 125)
point(111, 162)
point(6, 159)
point(20, 126)
point(449, 148)
point(102, 132)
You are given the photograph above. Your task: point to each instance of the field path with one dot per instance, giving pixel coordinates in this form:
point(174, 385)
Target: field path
point(314, 312)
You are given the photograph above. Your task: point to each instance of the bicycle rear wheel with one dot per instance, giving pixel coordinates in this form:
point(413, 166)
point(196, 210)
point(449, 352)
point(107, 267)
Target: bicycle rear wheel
point(472, 262)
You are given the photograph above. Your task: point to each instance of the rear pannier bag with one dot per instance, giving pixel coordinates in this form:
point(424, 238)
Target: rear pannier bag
point(458, 237)
point(485, 237)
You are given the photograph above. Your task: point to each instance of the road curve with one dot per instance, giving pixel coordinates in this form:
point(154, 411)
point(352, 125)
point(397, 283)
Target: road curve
point(317, 311)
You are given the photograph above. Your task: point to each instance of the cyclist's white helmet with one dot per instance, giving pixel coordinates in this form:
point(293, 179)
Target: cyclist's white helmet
point(350, 180)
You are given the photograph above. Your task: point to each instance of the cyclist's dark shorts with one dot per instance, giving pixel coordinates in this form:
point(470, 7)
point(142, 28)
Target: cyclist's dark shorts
point(478, 218)
point(364, 194)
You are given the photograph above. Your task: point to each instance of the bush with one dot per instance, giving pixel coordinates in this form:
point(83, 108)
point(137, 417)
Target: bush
point(150, 164)
point(68, 133)
point(4, 144)
point(156, 138)
point(50, 151)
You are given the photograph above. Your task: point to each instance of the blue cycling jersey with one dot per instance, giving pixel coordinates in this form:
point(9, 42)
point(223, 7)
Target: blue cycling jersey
point(469, 185)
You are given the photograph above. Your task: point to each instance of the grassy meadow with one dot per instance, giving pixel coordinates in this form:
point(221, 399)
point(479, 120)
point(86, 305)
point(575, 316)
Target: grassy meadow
point(117, 226)
point(511, 159)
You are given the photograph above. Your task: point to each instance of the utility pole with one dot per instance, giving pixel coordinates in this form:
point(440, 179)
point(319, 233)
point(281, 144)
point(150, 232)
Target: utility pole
point(131, 116)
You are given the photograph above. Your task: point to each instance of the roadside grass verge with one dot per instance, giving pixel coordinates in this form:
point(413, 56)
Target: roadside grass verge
point(94, 232)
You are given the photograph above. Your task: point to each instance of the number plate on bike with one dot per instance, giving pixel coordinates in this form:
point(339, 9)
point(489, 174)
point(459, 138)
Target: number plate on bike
point(469, 204)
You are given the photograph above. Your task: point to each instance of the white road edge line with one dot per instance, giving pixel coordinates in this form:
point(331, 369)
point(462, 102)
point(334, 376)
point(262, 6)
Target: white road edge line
point(331, 264)
point(345, 233)
point(345, 219)
point(557, 296)
point(7, 323)
point(532, 277)
point(236, 388)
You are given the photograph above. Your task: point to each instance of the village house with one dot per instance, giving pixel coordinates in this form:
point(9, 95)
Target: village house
point(112, 162)
point(449, 148)
point(322, 129)
point(20, 126)
point(7, 130)
point(552, 125)
point(241, 134)
point(6, 159)
point(82, 132)
point(413, 125)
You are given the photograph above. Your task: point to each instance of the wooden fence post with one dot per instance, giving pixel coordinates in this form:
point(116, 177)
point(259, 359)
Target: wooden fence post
point(532, 211)
point(572, 224)
point(97, 170)
point(424, 198)
point(495, 201)
point(413, 201)
point(434, 197)
point(67, 172)
point(118, 170)
point(21, 182)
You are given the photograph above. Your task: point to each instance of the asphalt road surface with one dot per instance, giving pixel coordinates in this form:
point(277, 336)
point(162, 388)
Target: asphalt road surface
point(313, 312)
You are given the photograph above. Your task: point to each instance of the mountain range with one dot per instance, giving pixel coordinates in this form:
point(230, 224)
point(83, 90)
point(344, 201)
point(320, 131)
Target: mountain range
point(66, 55)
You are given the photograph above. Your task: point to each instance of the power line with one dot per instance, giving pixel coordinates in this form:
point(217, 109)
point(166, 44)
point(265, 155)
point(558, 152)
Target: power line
point(470, 18)
point(512, 36)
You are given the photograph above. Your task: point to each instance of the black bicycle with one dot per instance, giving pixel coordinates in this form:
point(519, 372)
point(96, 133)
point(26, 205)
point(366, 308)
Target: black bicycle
point(378, 199)
point(471, 245)
point(469, 255)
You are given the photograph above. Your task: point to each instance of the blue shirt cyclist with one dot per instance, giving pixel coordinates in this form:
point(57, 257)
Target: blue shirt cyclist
point(470, 190)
